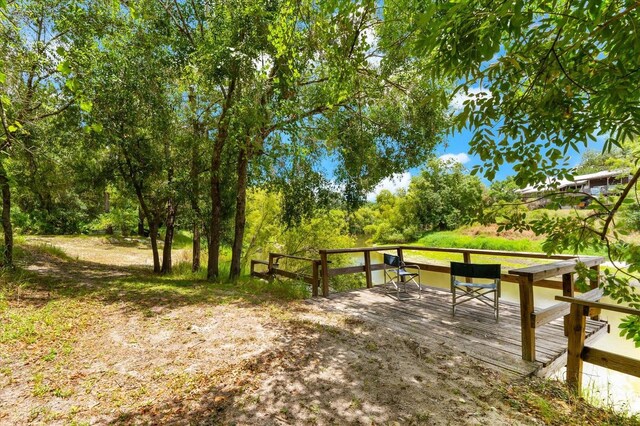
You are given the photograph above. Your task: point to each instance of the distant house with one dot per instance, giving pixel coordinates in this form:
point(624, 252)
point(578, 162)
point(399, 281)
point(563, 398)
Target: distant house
point(597, 184)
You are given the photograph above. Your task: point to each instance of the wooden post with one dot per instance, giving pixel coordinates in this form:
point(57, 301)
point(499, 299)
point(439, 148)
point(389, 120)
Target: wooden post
point(315, 279)
point(325, 273)
point(577, 323)
point(526, 309)
point(467, 259)
point(270, 271)
point(367, 268)
point(401, 256)
point(567, 291)
point(594, 313)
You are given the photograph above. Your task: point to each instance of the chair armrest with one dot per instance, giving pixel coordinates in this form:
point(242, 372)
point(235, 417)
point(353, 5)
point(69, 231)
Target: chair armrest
point(411, 266)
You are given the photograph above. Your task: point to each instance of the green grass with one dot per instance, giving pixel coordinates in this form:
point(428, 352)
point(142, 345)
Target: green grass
point(53, 251)
point(455, 239)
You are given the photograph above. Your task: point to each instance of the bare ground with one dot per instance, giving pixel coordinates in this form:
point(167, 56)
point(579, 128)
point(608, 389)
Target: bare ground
point(87, 343)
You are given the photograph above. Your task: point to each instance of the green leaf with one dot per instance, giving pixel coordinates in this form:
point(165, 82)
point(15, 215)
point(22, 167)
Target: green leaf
point(97, 127)
point(86, 106)
point(3, 76)
point(71, 85)
point(64, 68)
point(12, 128)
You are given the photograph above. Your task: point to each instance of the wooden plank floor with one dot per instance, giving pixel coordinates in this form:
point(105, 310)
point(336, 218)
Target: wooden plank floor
point(473, 330)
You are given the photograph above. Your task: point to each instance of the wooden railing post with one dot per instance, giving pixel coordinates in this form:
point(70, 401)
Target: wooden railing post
point(315, 278)
point(526, 311)
point(367, 268)
point(567, 291)
point(325, 273)
point(400, 253)
point(577, 324)
point(594, 313)
point(270, 270)
point(466, 256)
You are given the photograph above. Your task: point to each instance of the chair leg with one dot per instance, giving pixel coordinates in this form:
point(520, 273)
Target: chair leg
point(453, 307)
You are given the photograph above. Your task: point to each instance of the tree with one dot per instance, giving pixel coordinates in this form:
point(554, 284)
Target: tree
point(540, 79)
point(138, 122)
point(289, 75)
point(39, 42)
point(444, 197)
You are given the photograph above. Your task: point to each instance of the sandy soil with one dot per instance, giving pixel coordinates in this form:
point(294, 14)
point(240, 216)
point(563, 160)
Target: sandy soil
point(223, 360)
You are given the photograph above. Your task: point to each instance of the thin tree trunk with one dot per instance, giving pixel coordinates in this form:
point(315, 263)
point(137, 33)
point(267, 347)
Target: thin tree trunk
point(153, 234)
point(216, 217)
point(240, 220)
point(140, 222)
point(107, 208)
point(195, 264)
point(172, 211)
point(168, 237)
point(194, 175)
point(7, 254)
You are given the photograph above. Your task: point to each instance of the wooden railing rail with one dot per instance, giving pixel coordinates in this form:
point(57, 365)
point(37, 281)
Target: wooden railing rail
point(578, 353)
point(499, 253)
point(544, 316)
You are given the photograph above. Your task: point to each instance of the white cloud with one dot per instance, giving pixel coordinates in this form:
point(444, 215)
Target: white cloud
point(392, 183)
point(457, 103)
point(461, 158)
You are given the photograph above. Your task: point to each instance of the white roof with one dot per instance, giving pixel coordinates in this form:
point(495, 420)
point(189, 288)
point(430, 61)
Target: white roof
point(563, 183)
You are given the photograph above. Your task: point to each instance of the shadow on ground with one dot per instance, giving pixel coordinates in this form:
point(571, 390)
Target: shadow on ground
point(137, 286)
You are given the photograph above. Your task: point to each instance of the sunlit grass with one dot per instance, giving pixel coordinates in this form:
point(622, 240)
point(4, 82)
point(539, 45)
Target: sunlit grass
point(456, 239)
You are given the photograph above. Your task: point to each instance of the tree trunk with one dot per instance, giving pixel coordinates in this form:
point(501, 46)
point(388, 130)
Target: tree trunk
point(240, 221)
point(168, 237)
point(216, 180)
point(141, 223)
point(194, 175)
point(195, 264)
point(107, 208)
point(216, 220)
point(215, 223)
point(153, 233)
point(7, 255)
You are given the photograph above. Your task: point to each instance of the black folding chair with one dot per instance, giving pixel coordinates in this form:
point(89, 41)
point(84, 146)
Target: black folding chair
point(396, 273)
point(465, 291)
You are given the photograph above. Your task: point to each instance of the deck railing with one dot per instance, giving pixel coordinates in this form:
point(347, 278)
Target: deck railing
point(526, 278)
point(578, 353)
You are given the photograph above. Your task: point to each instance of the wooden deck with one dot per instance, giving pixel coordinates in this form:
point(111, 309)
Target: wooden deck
point(472, 331)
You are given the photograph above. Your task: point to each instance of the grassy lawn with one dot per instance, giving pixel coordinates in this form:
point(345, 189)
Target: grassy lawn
point(84, 342)
point(488, 238)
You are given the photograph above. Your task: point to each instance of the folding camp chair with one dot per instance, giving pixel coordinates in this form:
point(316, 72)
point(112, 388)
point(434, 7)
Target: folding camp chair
point(396, 274)
point(464, 291)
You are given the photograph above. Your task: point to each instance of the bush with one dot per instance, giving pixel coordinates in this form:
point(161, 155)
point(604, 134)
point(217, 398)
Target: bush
point(121, 220)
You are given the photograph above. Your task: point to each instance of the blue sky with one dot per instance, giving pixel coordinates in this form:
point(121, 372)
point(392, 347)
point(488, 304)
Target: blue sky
point(457, 146)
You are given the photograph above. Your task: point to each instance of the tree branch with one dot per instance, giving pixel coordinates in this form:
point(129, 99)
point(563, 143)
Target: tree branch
point(566, 74)
point(56, 112)
point(631, 184)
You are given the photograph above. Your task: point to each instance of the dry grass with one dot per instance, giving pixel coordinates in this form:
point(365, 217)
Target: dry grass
point(86, 343)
